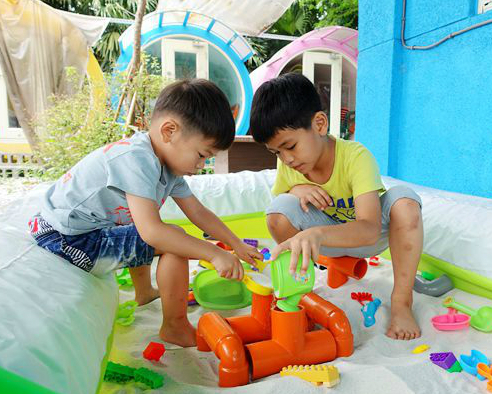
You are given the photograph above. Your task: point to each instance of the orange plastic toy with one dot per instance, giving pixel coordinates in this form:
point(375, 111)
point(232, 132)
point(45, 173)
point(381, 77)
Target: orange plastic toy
point(485, 371)
point(269, 339)
point(341, 268)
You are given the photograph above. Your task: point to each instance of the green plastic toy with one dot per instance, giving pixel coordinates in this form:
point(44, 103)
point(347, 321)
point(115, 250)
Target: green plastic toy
point(214, 292)
point(124, 315)
point(124, 278)
point(481, 318)
point(290, 288)
point(427, 275)
point(118, 373)
point(149, 378)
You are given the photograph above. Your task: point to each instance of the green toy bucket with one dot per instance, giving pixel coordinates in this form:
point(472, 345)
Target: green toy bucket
point(213, 292)
point(290, 288)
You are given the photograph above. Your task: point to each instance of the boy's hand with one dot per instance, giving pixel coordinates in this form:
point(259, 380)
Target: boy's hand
point(227, 265)
point(312, 194)
point(306, 242)
point(247, 253)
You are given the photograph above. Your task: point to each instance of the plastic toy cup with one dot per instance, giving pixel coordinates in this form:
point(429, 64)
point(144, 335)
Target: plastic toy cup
point(124, 314)
point(290, 288)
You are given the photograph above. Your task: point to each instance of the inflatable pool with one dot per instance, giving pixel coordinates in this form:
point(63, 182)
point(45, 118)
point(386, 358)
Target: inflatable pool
point(57, 321)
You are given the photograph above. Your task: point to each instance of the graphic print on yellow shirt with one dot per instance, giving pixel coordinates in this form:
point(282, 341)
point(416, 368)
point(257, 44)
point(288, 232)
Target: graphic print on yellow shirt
point(355, 172)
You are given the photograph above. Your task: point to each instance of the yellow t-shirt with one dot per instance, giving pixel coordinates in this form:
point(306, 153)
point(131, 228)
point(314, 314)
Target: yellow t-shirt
point(355, 172)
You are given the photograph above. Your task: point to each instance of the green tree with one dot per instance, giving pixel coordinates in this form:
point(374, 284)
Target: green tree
point(338, 12)
point(300, 18)
point(73, 126)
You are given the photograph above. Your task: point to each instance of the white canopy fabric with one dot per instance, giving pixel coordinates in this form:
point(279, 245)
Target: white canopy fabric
point(36, 45)
point(92, 27)
point(246, 17)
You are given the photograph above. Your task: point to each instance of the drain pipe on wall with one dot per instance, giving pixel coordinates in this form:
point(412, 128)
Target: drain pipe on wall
point(452, 35)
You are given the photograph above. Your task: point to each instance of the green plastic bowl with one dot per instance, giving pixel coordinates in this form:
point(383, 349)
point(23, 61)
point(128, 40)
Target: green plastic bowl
point(213, 292)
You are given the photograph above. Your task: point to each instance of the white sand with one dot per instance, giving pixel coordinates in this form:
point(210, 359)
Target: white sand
point(379, 364)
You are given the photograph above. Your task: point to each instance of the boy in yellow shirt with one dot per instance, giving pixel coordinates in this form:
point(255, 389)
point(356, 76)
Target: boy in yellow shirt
point(330, 199)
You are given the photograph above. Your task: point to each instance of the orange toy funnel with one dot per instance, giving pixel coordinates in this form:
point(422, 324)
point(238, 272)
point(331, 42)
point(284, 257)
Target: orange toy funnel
point(341, 268)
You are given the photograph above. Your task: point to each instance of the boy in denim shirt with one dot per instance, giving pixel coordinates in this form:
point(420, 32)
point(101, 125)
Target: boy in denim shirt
point(103, 214)
point(329, 195)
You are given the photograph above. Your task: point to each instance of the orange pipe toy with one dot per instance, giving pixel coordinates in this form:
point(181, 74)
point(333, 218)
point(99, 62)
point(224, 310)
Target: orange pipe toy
point(281, 339)
point(290, 344)
point(333, 319)
point(257, 326)
point(213, 333)
point(341, 268)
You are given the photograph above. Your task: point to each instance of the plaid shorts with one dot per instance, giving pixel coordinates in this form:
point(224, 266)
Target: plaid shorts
point(98, 251)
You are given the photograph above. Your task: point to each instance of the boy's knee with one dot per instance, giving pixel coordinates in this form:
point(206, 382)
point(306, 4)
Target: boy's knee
point(276, 222)
point(406, 213)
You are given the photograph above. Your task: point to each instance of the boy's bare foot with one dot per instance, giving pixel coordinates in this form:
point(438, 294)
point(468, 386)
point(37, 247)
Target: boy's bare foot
point(180, 333)
point(403, 325)
point(148, 296)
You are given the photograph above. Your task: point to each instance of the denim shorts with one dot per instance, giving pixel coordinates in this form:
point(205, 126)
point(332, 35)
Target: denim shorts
point(290, 206)
point(99, 251)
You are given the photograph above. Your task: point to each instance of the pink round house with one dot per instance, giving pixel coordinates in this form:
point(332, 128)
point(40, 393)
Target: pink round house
point(328, 57)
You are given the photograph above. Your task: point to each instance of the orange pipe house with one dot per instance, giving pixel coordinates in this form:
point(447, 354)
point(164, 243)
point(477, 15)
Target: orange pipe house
point(281, 339)
point(341, 268)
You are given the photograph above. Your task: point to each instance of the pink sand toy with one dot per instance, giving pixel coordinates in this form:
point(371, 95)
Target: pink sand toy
point(451, 321)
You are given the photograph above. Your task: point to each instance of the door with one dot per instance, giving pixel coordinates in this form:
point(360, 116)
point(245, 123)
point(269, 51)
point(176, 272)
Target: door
point(10, 130)
point(184, 59)
point(324, 70)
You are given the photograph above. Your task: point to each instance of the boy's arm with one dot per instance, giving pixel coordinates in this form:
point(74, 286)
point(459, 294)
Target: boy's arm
point(363, 231)
point(166, 238)
point(206, 220)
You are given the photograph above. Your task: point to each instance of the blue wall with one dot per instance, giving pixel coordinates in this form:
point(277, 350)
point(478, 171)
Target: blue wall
point(427, 115)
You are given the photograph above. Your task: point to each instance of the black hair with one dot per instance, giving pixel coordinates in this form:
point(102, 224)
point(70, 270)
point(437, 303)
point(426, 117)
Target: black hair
point(288, 101)
point(202, 106)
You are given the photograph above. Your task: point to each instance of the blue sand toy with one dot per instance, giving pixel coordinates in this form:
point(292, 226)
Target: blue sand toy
point(369, 310)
